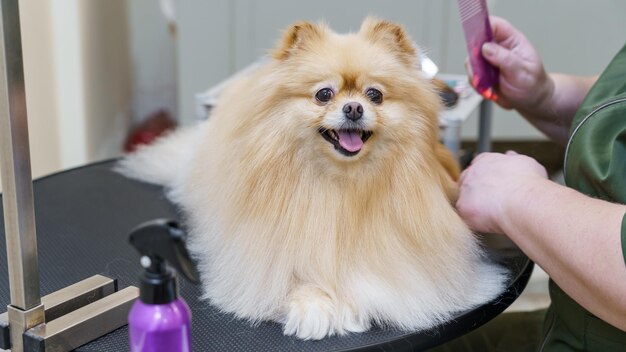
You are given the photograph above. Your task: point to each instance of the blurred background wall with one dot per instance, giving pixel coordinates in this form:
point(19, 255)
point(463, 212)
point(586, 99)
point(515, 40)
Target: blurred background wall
point(94, 67)
point(78, 78)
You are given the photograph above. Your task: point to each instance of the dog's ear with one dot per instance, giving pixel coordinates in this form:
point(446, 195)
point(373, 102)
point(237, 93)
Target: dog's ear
point(392, 36)
point(297, 37)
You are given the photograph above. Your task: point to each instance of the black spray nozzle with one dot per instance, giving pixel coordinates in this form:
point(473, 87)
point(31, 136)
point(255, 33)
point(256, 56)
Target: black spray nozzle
point(159, 242)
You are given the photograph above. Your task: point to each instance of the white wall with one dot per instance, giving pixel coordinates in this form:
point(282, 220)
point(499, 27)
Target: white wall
point(153, 53)
point(77, 78)
point(92, 77)
point(106, 68)
point(205, 49)
point(40, 84)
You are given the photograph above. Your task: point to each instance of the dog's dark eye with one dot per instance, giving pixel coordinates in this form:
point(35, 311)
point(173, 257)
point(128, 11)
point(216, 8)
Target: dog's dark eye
point(374, 95)
point(324, 95)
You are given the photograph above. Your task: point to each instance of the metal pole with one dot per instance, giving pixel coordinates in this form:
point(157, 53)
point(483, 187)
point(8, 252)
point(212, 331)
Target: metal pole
point(25, 310)
point(78, 313)
point(484, 126)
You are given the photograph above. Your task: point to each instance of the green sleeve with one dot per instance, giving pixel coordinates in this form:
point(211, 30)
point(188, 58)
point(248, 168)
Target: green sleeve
point(624, 237)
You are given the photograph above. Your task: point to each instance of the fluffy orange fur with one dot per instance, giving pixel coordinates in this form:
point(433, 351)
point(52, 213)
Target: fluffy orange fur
point(286, 228)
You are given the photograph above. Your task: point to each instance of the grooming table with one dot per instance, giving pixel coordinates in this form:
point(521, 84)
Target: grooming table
point(83, 219)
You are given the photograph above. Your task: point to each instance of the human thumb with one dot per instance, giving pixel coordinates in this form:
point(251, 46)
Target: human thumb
point(496, 55)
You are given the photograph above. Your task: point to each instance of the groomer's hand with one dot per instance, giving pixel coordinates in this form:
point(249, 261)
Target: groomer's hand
point(493, 186)
point(524, 83)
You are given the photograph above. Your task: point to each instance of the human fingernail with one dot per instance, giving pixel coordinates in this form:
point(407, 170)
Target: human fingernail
point(489, 49)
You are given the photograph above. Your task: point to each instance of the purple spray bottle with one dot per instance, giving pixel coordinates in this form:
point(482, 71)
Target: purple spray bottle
point(160, 320)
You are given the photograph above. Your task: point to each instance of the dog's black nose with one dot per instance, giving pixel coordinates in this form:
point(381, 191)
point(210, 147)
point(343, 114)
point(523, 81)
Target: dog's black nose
point(353, 111)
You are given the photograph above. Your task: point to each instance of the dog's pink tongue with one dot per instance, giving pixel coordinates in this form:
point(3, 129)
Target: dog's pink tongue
point(350, 141)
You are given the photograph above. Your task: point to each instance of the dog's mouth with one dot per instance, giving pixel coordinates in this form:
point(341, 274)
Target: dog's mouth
point(348, 142)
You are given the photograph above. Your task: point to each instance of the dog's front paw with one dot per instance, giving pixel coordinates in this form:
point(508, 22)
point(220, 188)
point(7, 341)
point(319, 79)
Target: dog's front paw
point(310, 314)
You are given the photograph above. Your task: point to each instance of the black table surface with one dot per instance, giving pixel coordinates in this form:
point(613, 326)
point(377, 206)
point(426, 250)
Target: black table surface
point(83, 218)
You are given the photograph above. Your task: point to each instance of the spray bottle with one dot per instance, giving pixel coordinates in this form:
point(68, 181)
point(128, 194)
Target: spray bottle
point(160, 320)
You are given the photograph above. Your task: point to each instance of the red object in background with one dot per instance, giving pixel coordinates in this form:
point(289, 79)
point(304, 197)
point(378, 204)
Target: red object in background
point(147, 131)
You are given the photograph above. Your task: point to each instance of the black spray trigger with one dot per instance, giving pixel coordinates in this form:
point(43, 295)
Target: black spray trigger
point(162, 241)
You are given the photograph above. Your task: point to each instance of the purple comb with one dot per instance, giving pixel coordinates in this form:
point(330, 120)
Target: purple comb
point(477, 29)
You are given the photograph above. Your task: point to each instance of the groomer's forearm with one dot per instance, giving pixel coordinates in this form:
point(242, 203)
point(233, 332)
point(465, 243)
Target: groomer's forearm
point(577, 241)
point(554, 115)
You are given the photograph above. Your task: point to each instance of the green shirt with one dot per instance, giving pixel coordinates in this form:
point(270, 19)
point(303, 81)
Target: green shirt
point(595, 164)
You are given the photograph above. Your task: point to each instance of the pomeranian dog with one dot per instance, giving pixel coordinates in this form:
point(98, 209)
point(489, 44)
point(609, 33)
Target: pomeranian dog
point(318, 195)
